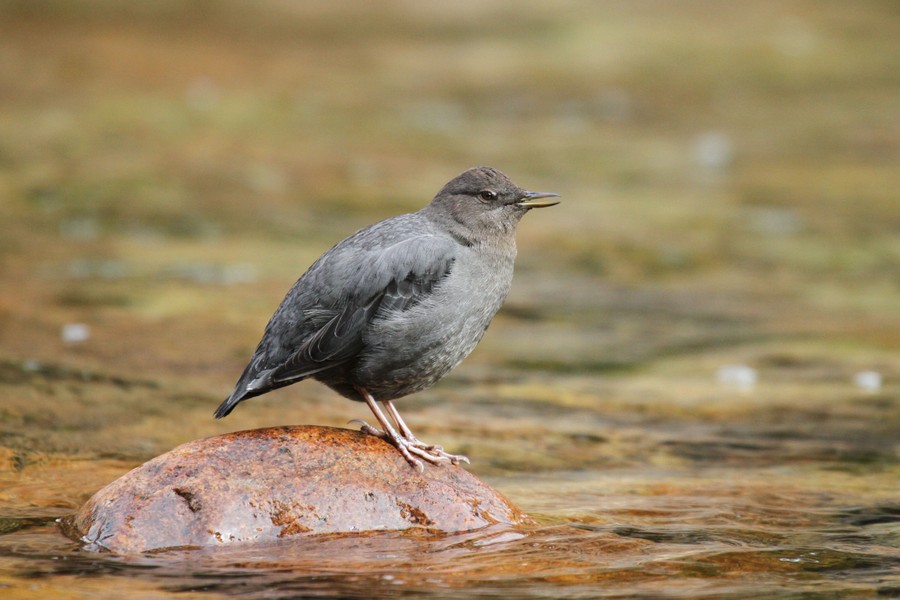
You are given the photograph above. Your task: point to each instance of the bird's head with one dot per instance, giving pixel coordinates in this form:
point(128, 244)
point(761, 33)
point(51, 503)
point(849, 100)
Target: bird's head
point(485, 201)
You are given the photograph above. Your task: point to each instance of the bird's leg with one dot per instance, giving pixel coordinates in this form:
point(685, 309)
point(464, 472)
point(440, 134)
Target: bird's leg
point(408, 434)
point(401, 424)
point(405, 446)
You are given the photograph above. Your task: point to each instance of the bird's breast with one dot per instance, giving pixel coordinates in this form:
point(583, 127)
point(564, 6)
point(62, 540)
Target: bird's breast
point(409, 350)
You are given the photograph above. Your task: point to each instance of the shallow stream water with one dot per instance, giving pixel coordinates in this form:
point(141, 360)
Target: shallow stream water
point(694, 387)
point(629, 503)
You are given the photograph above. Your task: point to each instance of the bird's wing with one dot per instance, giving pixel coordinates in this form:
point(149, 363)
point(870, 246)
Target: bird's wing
point(369, 281)
point(392, 279)
point(339, 340)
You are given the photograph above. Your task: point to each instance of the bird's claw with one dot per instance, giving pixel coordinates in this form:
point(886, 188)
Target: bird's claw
point(366, 428)
point(433, 454)
point(411, 448)
point(435, 450)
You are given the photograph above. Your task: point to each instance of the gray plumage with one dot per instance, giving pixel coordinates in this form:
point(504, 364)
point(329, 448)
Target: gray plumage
point(394, 307)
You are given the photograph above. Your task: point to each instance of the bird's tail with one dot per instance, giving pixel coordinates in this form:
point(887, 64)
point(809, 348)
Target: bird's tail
point(226, 407)
point(250, 385)
point(256, 383)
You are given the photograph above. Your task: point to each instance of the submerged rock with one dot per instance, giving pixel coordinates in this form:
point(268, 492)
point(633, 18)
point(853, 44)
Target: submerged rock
point(270, 484)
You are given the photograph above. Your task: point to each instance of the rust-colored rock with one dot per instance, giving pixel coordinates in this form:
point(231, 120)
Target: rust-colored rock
point(270, 484)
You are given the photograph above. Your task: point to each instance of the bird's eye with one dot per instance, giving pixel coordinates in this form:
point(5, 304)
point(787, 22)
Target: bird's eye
point(487, 195)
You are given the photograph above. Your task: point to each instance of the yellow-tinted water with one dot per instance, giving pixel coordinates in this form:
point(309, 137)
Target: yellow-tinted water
point(733, 502)
point(693, 386)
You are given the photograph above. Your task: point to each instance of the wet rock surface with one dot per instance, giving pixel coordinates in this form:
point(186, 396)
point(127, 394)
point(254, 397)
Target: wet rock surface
point(271, 484)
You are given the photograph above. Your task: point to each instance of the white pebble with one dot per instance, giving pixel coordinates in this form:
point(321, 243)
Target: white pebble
point(737, 376)
point(869, 381)
point(75, 333)
point(713, 150)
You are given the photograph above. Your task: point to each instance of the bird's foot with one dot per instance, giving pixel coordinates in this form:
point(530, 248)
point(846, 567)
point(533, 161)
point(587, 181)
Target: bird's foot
point(411, 448)
point(436, 451)
point(366, 428)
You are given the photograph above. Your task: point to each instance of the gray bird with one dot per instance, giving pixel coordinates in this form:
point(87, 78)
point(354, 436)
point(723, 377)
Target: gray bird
point(397, 305)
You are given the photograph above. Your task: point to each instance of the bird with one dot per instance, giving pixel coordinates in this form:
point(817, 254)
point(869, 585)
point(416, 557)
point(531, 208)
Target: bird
point(394, 307)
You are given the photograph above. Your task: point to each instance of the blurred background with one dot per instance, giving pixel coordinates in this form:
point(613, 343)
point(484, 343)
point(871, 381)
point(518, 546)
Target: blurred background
point(725, 264)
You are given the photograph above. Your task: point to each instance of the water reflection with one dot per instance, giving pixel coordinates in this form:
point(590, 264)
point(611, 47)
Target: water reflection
point(723, 541)
point(637, 490)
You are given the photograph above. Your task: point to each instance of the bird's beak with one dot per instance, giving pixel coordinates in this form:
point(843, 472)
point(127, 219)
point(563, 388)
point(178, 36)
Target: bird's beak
point(534, 200)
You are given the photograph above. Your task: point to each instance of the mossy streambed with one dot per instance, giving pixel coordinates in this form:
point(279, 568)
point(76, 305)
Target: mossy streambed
point(693, 387)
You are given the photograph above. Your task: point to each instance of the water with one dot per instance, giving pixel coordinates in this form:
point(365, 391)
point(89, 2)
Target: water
point(693, 387)
point(754, 544)
point(628, 504)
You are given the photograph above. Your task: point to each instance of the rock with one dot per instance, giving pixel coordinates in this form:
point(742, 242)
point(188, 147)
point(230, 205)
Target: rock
point(272, 484)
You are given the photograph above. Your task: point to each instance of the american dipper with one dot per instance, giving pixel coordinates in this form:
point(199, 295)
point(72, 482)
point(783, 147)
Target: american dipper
point(397, 305)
